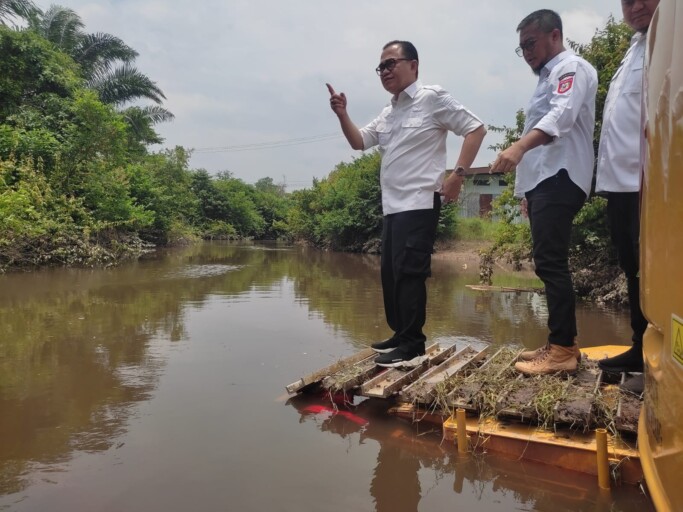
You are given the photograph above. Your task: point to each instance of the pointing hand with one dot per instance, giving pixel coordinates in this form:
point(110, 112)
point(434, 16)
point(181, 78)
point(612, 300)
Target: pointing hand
point(337, 101)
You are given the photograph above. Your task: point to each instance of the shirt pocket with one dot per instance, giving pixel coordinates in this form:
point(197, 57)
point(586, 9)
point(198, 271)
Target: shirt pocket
point(633, 82)
point(383, 134)
point(414, 121)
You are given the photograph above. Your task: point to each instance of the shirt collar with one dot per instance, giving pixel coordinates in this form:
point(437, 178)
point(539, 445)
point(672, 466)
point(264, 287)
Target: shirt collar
point(555, 61)
point(410, 91)
point(638, 37)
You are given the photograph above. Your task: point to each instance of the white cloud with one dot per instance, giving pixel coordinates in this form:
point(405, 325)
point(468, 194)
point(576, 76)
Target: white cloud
point(250, 71)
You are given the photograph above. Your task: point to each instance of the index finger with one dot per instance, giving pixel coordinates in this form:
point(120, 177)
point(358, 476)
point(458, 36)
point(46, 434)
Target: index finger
point(331, 89)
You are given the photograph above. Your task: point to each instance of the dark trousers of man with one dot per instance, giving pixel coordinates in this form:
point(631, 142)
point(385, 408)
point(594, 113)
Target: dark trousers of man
point(623, 214)
point(407, 246)
point(552, 206)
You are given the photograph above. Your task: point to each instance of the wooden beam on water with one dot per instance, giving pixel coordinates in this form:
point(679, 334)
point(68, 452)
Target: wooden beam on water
point(317, 376)
point(393, 379)
point(423, 389)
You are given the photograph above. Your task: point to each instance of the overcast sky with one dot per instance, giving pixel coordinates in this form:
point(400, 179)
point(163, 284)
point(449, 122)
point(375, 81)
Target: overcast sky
point(243, 74)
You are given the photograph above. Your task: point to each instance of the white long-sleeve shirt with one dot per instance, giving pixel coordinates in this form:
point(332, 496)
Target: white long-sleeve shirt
point(562, 106)
point(619, 152)
point(411, 134)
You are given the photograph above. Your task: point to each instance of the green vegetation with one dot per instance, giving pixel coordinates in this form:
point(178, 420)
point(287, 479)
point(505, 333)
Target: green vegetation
point(476, 229)
point(344, 212)
point(78, 185)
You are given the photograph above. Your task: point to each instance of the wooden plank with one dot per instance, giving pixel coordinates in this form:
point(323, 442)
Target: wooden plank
point(423, 390)
point(391, 380)
point(464, 397)
point(517, 403)
point(352, 377)
point(577, 409)
point(486, 287)
point(314, 377)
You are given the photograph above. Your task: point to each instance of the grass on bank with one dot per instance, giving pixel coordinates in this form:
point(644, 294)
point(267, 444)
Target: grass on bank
point(475, 229)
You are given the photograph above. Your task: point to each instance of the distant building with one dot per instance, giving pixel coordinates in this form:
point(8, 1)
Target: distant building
point(479, 191)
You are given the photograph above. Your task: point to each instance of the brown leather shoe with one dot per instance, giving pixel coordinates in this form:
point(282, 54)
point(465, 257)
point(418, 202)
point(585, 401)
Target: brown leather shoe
point(530, 355)
point(555, 359)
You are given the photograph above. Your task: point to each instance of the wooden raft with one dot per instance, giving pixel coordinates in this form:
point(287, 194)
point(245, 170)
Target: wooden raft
point(450, 373)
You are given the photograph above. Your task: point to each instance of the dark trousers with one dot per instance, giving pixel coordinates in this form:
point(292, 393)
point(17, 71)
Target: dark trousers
point(623, 214)
point(407, 246)
point(552, 206)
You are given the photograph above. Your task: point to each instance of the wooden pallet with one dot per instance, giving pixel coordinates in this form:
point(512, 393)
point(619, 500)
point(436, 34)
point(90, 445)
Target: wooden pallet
point(352, 377)
point(424, 390)
point(517, 402)
point(578, 410)
point(465, 396)
point(457, 364)
point(390, 381)
point(318, 376)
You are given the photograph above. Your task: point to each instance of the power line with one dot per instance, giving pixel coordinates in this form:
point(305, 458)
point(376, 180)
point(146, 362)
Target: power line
point(268, 145)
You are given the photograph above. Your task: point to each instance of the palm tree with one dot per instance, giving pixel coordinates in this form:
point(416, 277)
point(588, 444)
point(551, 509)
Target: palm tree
point(141, 119)
point(16, 9)
point(122, 84)
point(97, 54)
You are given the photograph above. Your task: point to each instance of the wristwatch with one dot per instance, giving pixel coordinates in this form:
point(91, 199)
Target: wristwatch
point(460, 170)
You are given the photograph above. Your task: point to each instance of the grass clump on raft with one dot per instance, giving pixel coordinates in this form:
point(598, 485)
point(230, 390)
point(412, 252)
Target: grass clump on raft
point(488, 389)
point(349, 377)
point(605, 408)
point(478, 387)
point(551, 391)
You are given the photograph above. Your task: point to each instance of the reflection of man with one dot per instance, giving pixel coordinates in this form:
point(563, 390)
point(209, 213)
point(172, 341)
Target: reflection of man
point(554, 162)
point(411, 134)
point(395, 482)
point(618, 175)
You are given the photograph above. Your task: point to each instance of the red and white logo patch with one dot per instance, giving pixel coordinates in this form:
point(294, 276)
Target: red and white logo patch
point(565, 85)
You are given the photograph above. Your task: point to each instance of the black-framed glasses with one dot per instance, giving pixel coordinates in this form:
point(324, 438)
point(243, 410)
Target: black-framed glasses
point(388, 64)
point(525, 46)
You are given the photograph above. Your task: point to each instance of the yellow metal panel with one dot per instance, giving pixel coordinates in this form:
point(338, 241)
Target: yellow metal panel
point(661, 424)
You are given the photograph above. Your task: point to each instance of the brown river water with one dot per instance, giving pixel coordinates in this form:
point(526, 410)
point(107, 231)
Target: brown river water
point(159, 385)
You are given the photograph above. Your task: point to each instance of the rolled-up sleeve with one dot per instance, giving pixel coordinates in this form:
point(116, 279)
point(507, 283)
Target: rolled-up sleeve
point(369, 134)
point(453, 116)
point(570, 87)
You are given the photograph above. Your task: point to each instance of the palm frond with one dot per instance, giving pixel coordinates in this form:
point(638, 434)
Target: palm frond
point(142, 119)
point(16, 9)
point(96, 53)
point(157, 114)
point(125, 84)
point(61, 26)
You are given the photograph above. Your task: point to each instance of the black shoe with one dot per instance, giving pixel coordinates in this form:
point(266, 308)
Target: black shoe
point(629, 361)
point(386, 346)
point(398, 358)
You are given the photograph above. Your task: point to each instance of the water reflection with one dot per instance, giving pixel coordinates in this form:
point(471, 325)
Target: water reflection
point(82, 350)
point(406, 461)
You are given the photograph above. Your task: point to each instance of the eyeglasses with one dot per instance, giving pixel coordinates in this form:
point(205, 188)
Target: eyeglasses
point(525, 46)
point(388, 64)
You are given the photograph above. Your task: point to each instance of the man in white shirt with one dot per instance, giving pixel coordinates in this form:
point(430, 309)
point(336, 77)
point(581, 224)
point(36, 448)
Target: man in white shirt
point(411, 135)
point(554, 163)
point(619, 168)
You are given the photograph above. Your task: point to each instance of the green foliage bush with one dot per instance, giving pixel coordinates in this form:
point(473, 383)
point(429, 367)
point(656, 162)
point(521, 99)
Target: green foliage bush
point(78, 184)
point(342, 211)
